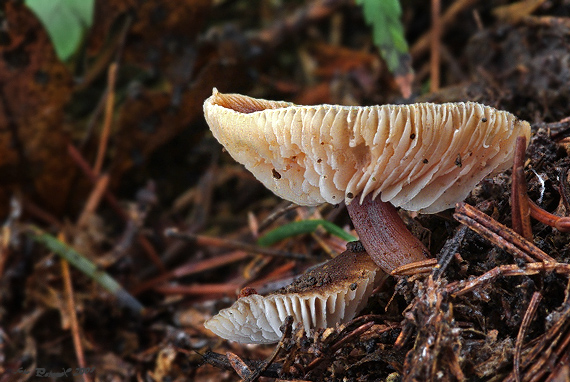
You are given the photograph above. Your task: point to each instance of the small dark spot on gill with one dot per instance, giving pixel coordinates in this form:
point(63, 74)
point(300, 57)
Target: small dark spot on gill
point(412, 136)
point(319, 160)
point(350, 195)
point(353, 286)
point(425, 161)
point(276, 175)
point(458, 161)
point(483, 119)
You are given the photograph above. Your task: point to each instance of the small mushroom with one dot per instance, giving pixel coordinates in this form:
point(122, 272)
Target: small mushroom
point(331, 293)
point(422, 157)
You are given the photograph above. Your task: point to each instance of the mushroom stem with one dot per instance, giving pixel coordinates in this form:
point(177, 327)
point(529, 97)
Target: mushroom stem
point(384, 235)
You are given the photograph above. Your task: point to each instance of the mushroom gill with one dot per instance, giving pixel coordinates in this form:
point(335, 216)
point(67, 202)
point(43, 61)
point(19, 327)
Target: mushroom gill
point(421, 157)
point(329, 294)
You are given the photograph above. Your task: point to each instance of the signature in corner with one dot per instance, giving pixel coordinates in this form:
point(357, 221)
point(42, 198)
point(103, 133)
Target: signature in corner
point(41, 372)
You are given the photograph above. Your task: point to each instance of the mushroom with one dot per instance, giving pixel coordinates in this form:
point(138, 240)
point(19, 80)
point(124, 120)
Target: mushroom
point(422, 157)
point(331, 293)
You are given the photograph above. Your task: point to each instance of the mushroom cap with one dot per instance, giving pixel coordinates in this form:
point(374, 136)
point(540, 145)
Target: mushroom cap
point(421, 157)
point(331, 293)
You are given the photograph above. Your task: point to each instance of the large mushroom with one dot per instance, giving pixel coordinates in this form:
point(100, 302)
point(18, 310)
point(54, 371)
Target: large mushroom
point(422, 157)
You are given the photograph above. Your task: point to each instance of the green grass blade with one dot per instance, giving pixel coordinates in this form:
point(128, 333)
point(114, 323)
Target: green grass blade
point(302, 227)
point(87, 267)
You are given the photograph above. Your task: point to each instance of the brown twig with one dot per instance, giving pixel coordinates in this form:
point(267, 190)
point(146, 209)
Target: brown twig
point(351, 330)
point(192, 268)
point(87, 171)
point(450, 248)
point(435, 44)
point(277, 33)
point(110, 198)
point(276, 215)
point(39, 213)
point(414, 268)
point(233, 244)
point(520, 209)
point(80, 355)
point(93, 201)
point(529, 269)
point(287, 330)
point(199, 289)
point(106, 132)
point(498, 234)
point(560, 223)
point(548, 347)
point(528, 316)
point(423, 43)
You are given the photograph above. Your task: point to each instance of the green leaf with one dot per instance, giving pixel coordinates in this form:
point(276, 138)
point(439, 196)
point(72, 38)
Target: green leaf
point(66, 21)
point(302, 227)
point(88, 268)
point(388, 31)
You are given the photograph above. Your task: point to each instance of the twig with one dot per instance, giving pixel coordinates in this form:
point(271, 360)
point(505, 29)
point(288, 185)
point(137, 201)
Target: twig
point(509, 270)
point(143, 241)
point(543, 350)
point(73, 317)
point(345, 335)
point(435, 44)
point(240, 367)
point(221, 361)
point(86, 169)
point(276, 215)
point(286, 329)
point(106, 132)
point(423, 43)
point(93, 201)
point(192, 268)
point(414, 268)
point(498, 234)
point(41, 214)
point(277, 33)
point(233, 244)
point(448, 251)
point(528, 316)
point(199, 289)
point(520, 210)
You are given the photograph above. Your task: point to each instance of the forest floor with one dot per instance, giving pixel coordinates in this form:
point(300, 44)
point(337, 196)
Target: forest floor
point(109, 154)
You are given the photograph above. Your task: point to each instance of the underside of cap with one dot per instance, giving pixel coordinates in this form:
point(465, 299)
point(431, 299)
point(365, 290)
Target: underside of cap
point(421, 157)
point(330, 294)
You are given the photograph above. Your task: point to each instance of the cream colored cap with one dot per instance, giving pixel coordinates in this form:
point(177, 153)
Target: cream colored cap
point(421, 157)
point(330, 294)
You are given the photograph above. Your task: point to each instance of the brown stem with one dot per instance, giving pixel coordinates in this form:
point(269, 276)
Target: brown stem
point(560, 223)
point(384, 234)
point(520, 210)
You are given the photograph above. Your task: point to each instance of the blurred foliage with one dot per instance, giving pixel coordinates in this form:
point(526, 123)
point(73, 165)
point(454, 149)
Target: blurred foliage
point(384, 17)
point(66, 22)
